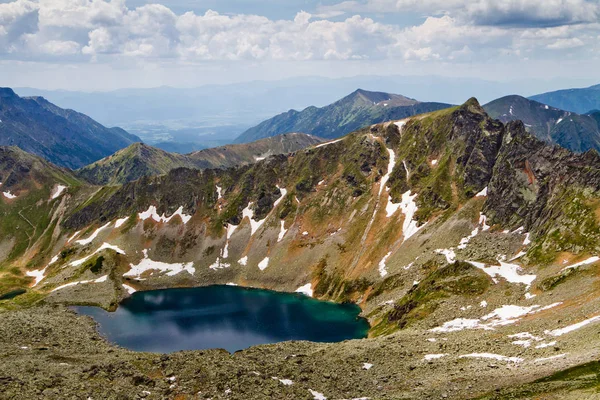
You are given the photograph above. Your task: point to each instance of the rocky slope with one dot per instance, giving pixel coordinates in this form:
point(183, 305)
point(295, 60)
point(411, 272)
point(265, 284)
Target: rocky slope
point(470, 245)
point(357, 110)
point(64, 137)
point(581, 100)
point(140, 160)
point(572, 131)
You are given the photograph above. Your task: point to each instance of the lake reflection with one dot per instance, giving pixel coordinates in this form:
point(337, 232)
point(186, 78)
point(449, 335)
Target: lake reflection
point(226, 317)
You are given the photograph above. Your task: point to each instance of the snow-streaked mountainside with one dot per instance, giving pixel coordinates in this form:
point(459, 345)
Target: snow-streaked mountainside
point(357, 110)
point(64, 137)
point(470, 245)
point(578, 100)
point(575, 132)
point(140, 160)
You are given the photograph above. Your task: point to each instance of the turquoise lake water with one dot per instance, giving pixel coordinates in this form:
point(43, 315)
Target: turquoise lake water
point(228, 317)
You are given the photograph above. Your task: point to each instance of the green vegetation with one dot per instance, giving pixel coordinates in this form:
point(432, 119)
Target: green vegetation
point(576, 230)
point(581, 380)
point(457, 279)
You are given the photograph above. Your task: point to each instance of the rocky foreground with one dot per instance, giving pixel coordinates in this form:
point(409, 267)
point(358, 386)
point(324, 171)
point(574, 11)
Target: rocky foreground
point(49, 352)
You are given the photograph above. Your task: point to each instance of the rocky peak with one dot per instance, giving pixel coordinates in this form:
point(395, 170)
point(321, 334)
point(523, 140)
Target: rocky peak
point(7, 92)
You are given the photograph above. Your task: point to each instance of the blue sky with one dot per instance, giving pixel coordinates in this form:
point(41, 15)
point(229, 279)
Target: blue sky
point(108, 44)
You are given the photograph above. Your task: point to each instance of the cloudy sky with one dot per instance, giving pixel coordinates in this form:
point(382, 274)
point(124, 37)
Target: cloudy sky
point(107, 44)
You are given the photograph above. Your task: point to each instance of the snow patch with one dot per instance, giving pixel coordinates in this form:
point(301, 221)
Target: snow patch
point(38, 274)
point(73, 237)
point(152, 213)
point(590, 260)
point(286, 382)
point(99, 280)
point(510, 272)
point(400, 125)
point(544, 345)
point(243, 260)
point(58, 191)
point(317, 395)
point(306, 290)
point(90, 239)
point(367, 366)
point(391, 207)
point(9, 195)
point(219, 192)
point(464, 241)
point(550, 358)
point(219, 265)
point(429, 357)
point(505, 315)
point(525, 335)
point(282, 232)
point(390, 168)
point(571, 328)
point(483, 222)
point(254, 225)
point(104, 246)
point(448, 253)
point(433, 162)
point(483, 193)
point(120, 222)
point(483, 303)
point(263, 264)
point(128, 288)
point(409, 208)
point(382, 271)
point(146, 264)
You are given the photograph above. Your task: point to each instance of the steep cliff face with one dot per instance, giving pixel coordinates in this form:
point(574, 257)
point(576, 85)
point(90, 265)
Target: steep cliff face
point(548, 190)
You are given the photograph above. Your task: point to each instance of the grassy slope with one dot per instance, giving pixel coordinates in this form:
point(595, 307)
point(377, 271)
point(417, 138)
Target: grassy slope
point(140, 160)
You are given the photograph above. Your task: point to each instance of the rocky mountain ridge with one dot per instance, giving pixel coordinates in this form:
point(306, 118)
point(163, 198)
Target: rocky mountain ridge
point(470, 245)
point(140, 160)
point(64, 137)
point(578, 133)
point(357, 110)
point(578, 100)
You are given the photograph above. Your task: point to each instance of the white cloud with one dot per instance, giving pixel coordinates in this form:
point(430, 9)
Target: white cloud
point(107, 30)
point(561, 44)
point(485, 12)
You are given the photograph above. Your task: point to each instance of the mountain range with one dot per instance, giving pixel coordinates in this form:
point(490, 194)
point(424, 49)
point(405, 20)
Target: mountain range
point(140, 160)
point(64, 137)
point(357, 110)
point(580, 100)
point(573, 131)
point(470, 245)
